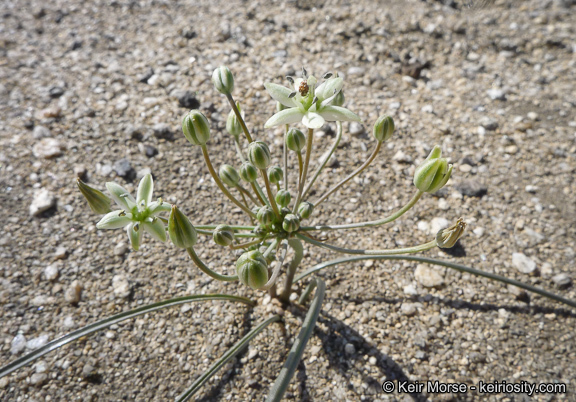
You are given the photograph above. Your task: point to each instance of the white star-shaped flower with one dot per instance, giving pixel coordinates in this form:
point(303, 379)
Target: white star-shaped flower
point(137, 215)
point(308, 103)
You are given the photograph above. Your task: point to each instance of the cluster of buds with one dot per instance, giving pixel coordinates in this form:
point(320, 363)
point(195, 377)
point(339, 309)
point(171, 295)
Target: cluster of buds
point(306, 101)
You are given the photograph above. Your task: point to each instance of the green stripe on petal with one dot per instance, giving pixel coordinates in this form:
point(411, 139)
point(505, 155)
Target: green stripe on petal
point(122, 197)
point(288, 116)
point(134, 231)
point(114, 220)
point(156, 208)
point(156, 229)
point(313, 120)
point(280, 94)
point(337, 113)
point(145, 188)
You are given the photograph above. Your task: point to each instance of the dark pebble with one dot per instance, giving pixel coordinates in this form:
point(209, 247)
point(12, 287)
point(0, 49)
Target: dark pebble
point(146, 76)
point(188, 100)
point(124, 169)
point(56, 92)
point(471, 188)
point(150, 151)
point(163, 130)
point(188, 33)
point(77, 44)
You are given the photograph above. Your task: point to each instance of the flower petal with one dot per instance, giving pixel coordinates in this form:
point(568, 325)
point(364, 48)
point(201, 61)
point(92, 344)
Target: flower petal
point(287, 116)
point(280, 94)
point(113, 220)
point(313, 120)
point(156, 229)
point(145, 188)
point(337, 113)
point(156, 208)
point(122, 197)
point(135, 235)
point(329, 88)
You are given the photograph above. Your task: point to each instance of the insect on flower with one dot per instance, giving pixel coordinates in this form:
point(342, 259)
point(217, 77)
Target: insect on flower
point(303, 88)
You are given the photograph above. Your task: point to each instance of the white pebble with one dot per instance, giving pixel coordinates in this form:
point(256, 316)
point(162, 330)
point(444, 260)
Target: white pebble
point(522, 263)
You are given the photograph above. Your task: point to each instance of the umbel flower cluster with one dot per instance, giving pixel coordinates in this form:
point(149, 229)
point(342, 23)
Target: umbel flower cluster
point(280, 216)
point(277, 211)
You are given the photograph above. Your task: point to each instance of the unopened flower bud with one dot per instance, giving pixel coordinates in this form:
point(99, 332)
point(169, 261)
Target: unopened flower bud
point(223, 235)
point(291, 223)
point(283, 198)
point(433, 173)
point(252, 269)
point(98, 201)
point(259, 154)
point(233, 126)
point(275, 174)
point(248, 172)
point(229, 175)
point(383, 128)
point(196, 127)
point(447, 238)
point(180, 230)
point(305, 209)
point(295, 140)
point(223, 80)
point(265, 216)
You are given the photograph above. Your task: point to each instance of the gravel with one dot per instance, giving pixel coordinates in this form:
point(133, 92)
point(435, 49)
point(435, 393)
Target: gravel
point(462, 67)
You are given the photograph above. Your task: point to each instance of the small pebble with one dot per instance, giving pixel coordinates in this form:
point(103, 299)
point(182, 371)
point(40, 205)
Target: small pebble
point(47, 148)
point(60, 253)
point(121, 249)
point(51, 272)
point(349, 349)
point(43, 201)
point(408, 309)
point(428, 277)
point(41, 132)
point(562, 280)
point(73, 294)
point(38, 342)
point(496, 94)
point(38, 378)
point(523, 264)
point(18, 344)
point(121, 286)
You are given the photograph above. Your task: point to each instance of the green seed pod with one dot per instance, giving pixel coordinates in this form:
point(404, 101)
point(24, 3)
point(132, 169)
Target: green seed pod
point(223, 235)
point(180, 230)
point(447, 238)
point(223, 80)
point(233, 126)
point(305, 209)
point(252, 269)
point(275, 174)
point(433, 173)
point(283, 198)
point(97, 200)
point(248, 172)
point(259, 154)
point(196, 127)
point(266, 216)
point(291, 223)
point(295, 140)
point(383, 128)
point(229, 175)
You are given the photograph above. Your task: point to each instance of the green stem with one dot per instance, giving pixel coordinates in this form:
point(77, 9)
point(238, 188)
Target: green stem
point(204, 268)
point(319, 170)
point(237, 235)
point(297, 350)
point(115, 319)
point(226, 357)
point(457, 267)
point(309, 139)
point(285, 157)
point(271, 247)
point(378, 222)
point(246, 192)
point(259, 193)
point(220, 185)
point(239, 117)
point(270, 194)
point(296, 245)
point(244, 245)
point(350, 176)
point(395, 251)
point(237, 227)
point(239, 149)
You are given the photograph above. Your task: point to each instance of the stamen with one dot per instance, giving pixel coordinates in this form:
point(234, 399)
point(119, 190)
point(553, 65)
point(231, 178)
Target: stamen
point(290, 79)
point(293, 94)
point(122, 213)
point(136, 227)
point(327, 75)
point(304, 73)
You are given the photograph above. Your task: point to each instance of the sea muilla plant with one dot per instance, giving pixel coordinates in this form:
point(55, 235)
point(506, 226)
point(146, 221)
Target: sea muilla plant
point(278, 214)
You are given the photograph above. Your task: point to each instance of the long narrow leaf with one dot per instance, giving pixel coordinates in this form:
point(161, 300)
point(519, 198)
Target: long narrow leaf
point(106, 322)
point(458, 267)
point(233, 351)
point(287, 372)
